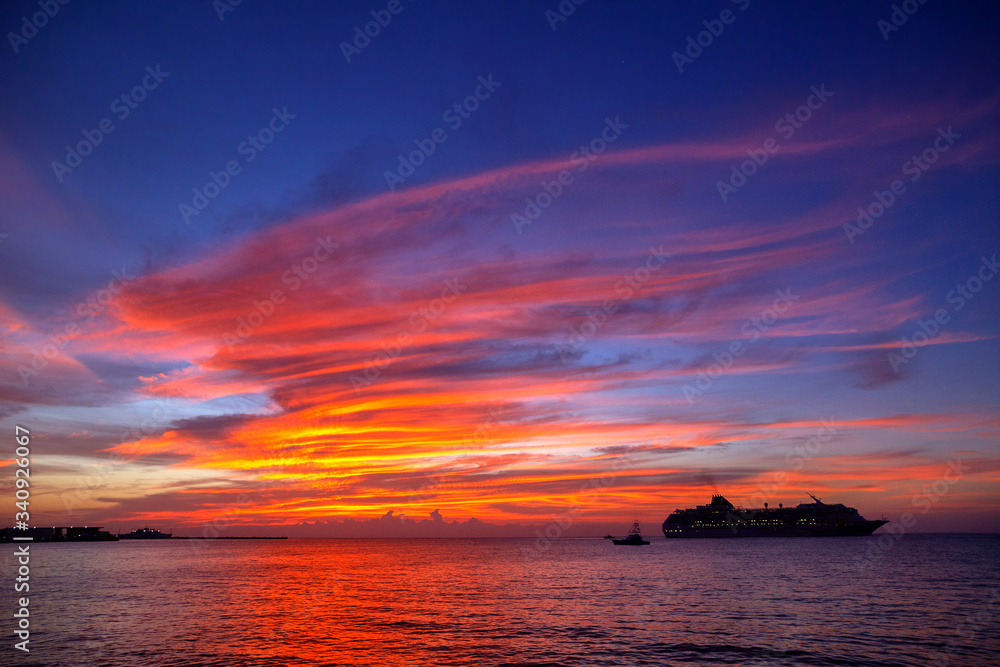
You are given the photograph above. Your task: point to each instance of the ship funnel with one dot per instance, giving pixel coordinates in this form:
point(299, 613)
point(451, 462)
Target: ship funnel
point(718, 499)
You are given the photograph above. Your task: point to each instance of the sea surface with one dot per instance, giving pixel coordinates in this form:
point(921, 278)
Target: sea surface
point(922, 600)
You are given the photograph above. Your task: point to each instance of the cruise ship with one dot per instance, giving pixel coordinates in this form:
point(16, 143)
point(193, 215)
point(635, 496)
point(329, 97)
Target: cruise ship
point(146, 533)
point(721, 518)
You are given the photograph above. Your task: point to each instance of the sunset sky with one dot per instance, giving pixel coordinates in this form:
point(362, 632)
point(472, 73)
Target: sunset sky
point(248, 300)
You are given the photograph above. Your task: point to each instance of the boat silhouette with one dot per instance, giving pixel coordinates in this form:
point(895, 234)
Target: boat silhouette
point(634, 537)
point(146, 533)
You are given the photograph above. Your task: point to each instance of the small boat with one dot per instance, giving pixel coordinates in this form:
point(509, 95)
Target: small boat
point(634, 537)
point(609, 537)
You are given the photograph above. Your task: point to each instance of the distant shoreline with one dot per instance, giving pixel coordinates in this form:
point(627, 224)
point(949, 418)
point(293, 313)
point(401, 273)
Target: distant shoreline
point(180, 537)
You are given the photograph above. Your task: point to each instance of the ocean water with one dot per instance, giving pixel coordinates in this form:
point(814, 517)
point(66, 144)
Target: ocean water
point(925, 600)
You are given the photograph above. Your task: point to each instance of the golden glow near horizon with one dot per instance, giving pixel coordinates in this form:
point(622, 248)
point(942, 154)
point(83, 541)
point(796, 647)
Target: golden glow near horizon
point(432, 374)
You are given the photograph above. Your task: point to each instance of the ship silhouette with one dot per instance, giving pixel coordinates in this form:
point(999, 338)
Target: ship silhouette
point(721, 518)
point(634, 537)
point(146, 533)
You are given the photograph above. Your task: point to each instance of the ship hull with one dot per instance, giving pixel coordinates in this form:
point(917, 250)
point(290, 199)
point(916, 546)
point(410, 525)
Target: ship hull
point(858, 529)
